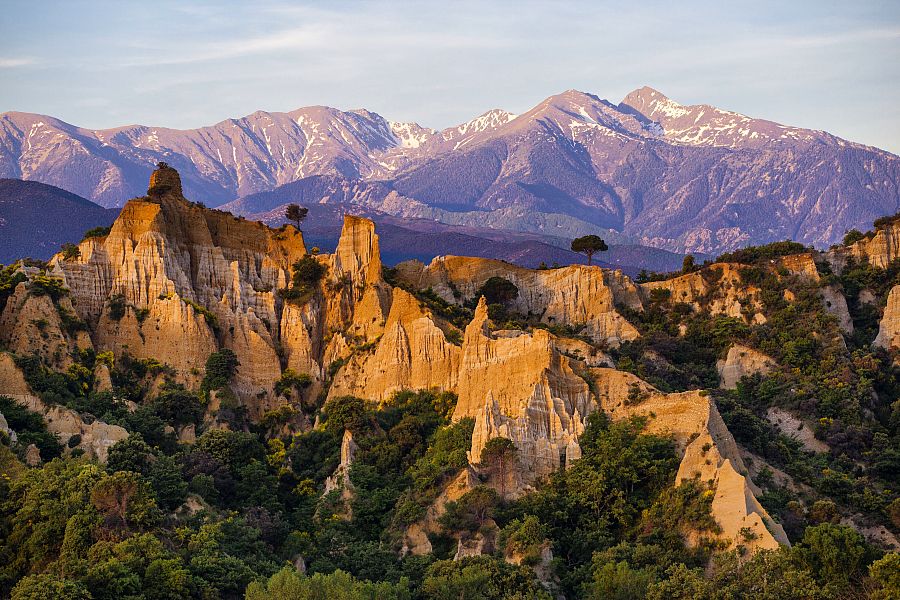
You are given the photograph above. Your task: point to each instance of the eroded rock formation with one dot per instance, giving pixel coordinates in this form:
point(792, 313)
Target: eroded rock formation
point(889, 328)
point(717, 289)
point(412, 353)
point(709, 453)
point(879, 249)
point(574, 295)
point(175, 282)
point(742, 361)
point(522, 388)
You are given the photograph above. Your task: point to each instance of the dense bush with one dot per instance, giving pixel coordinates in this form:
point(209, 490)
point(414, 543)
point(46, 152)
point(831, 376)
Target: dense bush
point(30, 429)
point(756, 254)
point(96, 232)
point(220, 368)
point(307, 273)
point(498, 290)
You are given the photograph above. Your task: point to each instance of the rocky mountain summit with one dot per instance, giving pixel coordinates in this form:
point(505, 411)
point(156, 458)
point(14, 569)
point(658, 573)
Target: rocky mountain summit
point(653, 171)
point(275, 337)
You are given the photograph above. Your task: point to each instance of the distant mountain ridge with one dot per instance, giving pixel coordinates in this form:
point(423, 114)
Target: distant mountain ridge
point(647, 170)
point(36, 219)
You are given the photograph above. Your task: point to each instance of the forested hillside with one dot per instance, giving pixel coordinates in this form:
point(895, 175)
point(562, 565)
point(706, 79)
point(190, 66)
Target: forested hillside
point(195, 406)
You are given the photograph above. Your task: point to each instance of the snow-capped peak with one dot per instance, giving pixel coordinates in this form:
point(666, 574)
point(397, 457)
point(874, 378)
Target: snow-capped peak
point(410, 135)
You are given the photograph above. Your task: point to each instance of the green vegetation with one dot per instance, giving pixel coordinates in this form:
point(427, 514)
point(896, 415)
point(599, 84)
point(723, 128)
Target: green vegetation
point(497, 290)
point(10, 277)
point(307, 273)
point(70, 251)
point(755, 254)
point(853, 236)
point(208, 315)
point(220, 368)
point(29, 428)
point(289, 584)
point(290, 380)
point(42, 284)
point(96, 232)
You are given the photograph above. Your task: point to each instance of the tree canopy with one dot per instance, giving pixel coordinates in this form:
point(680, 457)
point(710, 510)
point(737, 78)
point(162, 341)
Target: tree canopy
point(589, 245)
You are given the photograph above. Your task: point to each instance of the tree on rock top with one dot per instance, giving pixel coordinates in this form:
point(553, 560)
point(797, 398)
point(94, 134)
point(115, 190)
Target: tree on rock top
point(588, 245)
point(296, 213)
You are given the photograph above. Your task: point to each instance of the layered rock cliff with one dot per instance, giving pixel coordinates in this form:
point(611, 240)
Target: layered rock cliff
point(176, 282)
point(522, 388)
point(878, 248)
point(574, 295)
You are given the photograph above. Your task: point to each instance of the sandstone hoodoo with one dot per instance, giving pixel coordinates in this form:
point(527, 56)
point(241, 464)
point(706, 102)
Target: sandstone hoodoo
point(546, 422)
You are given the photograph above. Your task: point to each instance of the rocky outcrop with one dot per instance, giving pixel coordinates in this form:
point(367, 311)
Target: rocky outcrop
point(415, 538)
point(191, 280)
point(95, 436)
point(413, 353)
point(802, 265)
point(480, 542)
point(339, 481)
point(836, 304)
point(575, 295)
point(172, 332)
point(31, 323)
point(175, 282)
point(796, 428)
point(102, 378)
point(709, 453)
point(742, 361)
point(5, 429)
point(889, 328)
point(360, 298)
point(522, 388)
point(879, 249)
point(717, 289)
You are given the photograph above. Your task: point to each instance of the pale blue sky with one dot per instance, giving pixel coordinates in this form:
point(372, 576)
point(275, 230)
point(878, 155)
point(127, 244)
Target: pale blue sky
point(820, 63)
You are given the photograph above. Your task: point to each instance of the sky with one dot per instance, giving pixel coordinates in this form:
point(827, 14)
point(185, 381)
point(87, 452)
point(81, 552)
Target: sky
point(819, 64)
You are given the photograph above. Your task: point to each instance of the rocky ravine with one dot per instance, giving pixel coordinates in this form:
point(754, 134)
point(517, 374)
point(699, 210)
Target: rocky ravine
point(193, 281)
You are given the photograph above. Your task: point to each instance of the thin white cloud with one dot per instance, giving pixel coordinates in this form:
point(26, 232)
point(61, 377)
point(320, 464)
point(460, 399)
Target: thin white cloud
point(12, 63)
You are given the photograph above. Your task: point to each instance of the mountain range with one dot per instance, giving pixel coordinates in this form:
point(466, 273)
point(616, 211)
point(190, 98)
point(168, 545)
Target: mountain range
point(36, 219)
point(646, 171)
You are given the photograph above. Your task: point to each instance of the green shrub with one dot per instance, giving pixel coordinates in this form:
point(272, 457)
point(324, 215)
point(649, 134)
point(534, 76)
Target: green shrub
point(43, 284)
point(755, 254)
point(70, 251)
point(117, 306)
point(498, 290)
point(291, 380)
point(96, 232)
point(220, 368)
